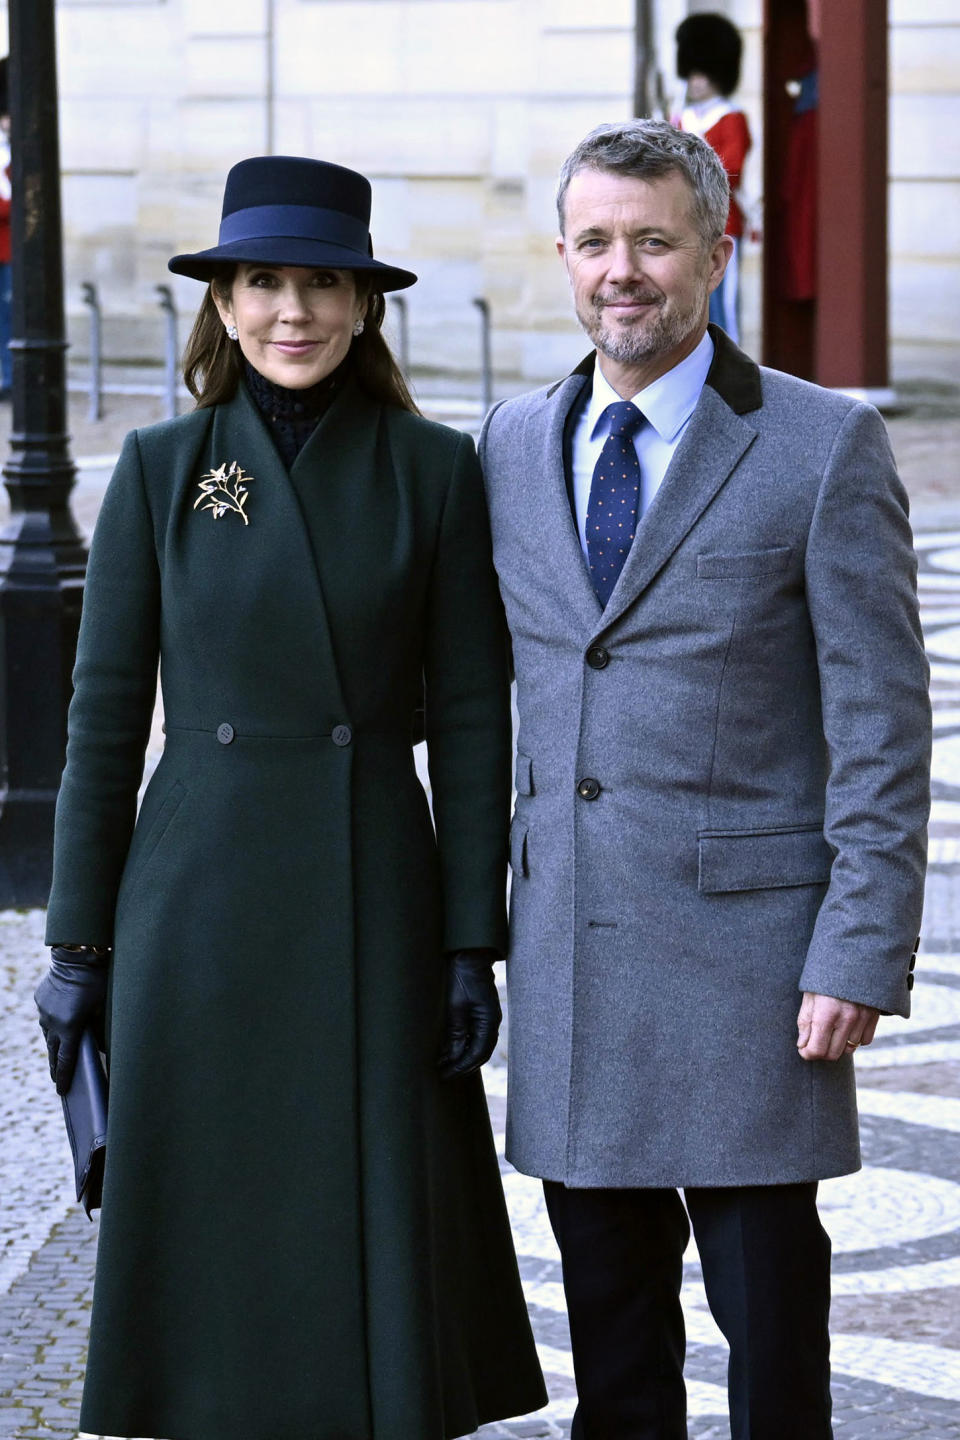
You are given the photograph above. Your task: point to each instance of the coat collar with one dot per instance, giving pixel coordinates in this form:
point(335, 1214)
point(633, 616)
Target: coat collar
point(543, 436)
point(734, 376)
point(352, 419)
point(341, 447)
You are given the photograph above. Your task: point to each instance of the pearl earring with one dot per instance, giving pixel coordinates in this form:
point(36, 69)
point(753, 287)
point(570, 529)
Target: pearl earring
point(231, 332)
point(358, 327)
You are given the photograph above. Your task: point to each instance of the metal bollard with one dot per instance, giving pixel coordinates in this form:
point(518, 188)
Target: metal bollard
point(172, 356)
point(486, 359)
point(90, 297)
point(403, 332)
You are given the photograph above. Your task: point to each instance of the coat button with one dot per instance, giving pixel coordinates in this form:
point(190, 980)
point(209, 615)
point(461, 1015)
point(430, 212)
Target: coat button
point(588, 789)
point(341, 735)
point(910, 981)
point(225, 733)
point(598, 657)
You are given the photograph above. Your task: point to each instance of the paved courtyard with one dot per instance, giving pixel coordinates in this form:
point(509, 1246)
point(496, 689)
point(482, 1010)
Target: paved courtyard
point(895, 1226)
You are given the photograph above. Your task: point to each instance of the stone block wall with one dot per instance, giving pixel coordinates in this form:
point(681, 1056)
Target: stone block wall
point(460, 111)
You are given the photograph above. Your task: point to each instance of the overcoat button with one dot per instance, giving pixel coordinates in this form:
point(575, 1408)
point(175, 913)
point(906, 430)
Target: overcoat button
point(341, 735)
point(598, 657)
point(588, 789)
point(910, 981)
point(913, 961)
point(225, 733)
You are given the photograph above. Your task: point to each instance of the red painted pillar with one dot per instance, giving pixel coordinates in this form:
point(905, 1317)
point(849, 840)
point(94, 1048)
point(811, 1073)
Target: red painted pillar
point(789, 190)
point(825, 185)
point(851, 326)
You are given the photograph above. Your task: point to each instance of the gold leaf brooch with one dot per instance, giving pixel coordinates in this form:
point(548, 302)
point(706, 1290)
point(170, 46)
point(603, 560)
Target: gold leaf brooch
point(224, 490)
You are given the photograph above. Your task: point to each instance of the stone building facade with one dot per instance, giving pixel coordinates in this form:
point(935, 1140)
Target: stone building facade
point(460, 111)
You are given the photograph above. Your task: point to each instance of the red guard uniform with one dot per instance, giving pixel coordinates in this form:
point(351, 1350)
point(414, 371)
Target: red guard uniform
point(726, 131)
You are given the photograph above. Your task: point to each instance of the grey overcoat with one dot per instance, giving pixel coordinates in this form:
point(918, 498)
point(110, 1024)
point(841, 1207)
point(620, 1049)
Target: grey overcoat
point(722, 786)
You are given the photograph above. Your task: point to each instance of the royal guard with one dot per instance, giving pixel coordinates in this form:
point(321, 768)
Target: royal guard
point(709, 49)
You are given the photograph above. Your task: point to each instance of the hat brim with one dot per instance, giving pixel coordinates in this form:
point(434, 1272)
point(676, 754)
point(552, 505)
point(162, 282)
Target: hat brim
point(283, 250)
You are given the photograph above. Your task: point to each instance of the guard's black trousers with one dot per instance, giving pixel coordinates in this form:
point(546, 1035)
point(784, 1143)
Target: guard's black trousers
point(766, 1270)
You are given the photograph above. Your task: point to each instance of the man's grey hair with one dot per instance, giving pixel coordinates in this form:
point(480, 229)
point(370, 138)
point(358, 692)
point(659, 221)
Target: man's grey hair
point(647, 150)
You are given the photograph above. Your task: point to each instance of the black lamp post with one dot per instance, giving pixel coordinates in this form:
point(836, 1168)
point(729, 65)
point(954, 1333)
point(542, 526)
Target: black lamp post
point(42, 557)
point(644, 61)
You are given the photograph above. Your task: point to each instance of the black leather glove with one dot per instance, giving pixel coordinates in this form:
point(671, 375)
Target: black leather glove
point(473, 1012)
point(69, 997)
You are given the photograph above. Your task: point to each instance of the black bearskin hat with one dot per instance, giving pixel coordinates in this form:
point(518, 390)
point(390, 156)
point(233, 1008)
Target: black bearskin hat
point(712, 45)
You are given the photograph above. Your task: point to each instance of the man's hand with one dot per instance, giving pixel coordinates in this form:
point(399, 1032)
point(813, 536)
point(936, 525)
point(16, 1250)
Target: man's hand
point(828, 1028)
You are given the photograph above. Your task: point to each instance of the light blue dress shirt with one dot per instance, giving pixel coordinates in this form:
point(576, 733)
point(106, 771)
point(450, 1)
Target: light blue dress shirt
point(667, 404)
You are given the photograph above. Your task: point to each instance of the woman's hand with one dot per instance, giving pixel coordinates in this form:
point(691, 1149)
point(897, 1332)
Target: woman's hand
point(473, 1012)
point(68, 997)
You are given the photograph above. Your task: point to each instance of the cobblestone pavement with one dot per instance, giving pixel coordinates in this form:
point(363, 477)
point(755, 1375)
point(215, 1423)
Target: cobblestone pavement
point(895, 1227)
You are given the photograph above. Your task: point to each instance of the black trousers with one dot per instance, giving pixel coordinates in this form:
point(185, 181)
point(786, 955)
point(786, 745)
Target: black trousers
point(766, 1270)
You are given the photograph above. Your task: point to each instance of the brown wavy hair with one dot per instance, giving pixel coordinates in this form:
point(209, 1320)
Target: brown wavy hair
point(213, 365)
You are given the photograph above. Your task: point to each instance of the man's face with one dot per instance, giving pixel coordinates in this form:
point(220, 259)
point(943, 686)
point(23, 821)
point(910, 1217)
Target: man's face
point(640, 273)
point(699, 87)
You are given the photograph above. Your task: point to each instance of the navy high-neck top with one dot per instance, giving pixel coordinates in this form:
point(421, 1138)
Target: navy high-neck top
point(291, 416)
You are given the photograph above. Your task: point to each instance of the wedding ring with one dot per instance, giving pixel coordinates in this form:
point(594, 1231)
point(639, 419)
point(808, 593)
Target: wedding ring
point(853, 1044)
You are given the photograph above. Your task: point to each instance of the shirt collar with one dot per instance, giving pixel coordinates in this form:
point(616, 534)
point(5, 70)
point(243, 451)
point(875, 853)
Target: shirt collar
point(667, 403)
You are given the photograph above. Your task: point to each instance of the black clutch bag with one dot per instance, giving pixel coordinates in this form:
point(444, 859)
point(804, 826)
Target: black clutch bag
point(85, 1113)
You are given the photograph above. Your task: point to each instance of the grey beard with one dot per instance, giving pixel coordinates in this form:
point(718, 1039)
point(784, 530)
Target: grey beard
point(635, 344)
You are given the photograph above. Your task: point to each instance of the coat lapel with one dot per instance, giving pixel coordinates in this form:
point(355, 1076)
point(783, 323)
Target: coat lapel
point(280, 540)
point(362, 526)
point(716, 438)
point(352, 419)
point(543, 436)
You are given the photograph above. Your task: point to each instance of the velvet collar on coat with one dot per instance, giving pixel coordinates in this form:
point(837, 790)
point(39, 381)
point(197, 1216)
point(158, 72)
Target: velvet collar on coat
point(732, 374)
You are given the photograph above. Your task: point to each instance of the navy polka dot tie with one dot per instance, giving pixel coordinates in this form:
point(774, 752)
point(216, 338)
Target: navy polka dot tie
point(614, 499)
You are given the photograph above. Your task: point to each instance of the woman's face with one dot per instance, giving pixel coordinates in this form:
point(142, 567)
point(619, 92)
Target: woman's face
point(294, 324)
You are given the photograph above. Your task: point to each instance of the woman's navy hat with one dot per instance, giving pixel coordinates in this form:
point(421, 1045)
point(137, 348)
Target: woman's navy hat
point(283, 210)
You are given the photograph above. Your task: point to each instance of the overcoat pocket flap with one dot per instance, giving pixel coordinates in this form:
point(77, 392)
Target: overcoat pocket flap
point(744, 565)
point(524, 780)
point(763, 859)
point(518, 847)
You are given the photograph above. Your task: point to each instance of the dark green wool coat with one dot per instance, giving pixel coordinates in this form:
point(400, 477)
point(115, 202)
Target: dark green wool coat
point(303, 1233)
